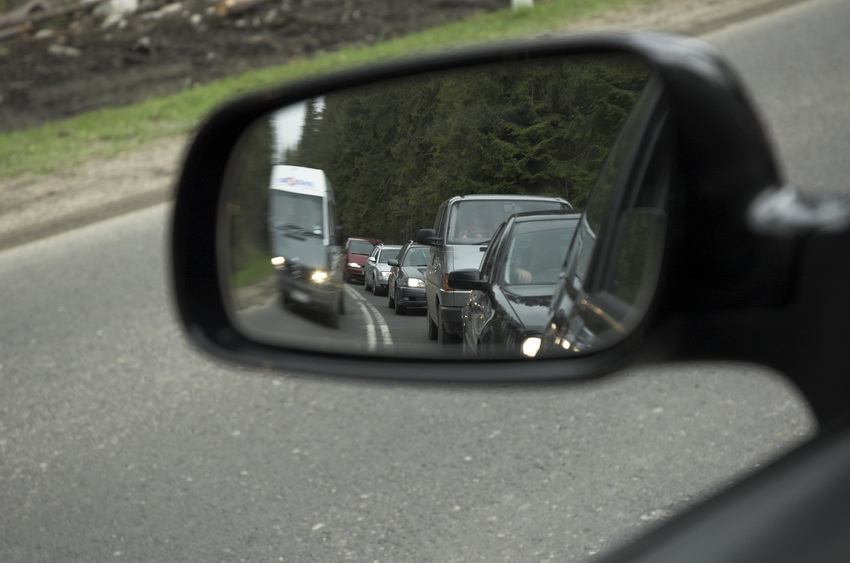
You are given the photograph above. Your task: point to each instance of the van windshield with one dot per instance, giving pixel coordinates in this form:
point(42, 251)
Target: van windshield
point(298, 212)
point(475, 221)
point(296, 229)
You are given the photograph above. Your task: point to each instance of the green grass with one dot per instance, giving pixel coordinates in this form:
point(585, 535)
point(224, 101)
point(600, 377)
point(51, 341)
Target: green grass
point(108, 132)
point(253, 272)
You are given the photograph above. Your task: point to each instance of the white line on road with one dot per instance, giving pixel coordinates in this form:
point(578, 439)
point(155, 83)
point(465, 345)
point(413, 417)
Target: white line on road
point(374, 322)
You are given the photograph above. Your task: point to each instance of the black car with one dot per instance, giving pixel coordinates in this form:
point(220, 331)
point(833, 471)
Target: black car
point(406, 283)
point(511, 290)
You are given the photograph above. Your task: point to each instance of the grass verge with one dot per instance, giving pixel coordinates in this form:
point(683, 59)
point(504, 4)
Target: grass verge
point(107, 132)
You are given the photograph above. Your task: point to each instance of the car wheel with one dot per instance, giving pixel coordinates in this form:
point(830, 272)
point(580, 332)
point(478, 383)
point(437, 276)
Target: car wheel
point(467, 350)
point(342, 302)
point(390, 300)
point(400, 309)
point(285, 301)
point(332, 315)
point(365, 285)
point(432, 327)
point(443, 337)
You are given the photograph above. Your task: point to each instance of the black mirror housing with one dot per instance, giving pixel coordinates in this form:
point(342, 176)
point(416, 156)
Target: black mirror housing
point(467, 279)
point(428, 236)
point(723, 230)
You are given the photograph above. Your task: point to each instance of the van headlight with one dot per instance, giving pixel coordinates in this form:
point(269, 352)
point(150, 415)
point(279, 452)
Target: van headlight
point(319, 276)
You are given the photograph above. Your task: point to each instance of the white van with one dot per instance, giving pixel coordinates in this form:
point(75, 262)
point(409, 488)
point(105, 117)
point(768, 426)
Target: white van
point(305, 240)
point(462, 230)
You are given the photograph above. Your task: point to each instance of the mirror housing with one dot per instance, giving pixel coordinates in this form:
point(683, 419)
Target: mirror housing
point(728, 226)
point(724, 160)
point(469, 278)
point(429, 237)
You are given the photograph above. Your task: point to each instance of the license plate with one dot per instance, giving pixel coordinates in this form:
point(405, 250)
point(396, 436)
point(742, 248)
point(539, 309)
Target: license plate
point(300, 296)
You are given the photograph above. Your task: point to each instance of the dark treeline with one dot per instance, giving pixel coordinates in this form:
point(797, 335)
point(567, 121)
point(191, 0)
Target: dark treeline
point(394, 151)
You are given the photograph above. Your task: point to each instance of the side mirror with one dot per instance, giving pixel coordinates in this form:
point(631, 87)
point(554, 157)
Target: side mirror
point(688, 249)
point(428, 236)
point(467, 279)
point(392, 262)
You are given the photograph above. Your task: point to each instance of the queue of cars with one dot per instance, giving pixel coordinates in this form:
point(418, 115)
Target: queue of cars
point(486, 273)
point(505, 297)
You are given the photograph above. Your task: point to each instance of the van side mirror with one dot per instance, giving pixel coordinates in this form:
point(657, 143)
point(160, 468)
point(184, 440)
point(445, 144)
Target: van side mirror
point(429, 237)
point(469, 278)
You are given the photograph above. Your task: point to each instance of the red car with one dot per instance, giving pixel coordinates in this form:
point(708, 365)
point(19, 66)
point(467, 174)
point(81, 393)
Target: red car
point(356, 252)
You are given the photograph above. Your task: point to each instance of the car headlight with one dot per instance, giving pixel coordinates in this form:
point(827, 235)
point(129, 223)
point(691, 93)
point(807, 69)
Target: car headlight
point(354, 265)
point(530, 346)
point(319, 276)
point(414, 282)
point(278, 262)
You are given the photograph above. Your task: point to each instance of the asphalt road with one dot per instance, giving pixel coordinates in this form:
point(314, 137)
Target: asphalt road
point(119, 442)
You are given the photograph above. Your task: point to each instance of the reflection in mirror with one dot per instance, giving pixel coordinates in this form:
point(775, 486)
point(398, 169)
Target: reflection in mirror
point(612, 269)
point(377, 162)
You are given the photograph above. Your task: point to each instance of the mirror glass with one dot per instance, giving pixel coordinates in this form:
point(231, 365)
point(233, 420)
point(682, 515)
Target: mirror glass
point(336, 210)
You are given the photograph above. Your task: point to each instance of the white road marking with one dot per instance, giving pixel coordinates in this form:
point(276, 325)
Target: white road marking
point(374, 321)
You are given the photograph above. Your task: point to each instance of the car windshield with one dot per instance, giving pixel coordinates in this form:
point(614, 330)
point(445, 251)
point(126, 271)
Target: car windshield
point(475, 221)
point(387, 254)
point(416, 257)
point(363, 247)
point(299, 214)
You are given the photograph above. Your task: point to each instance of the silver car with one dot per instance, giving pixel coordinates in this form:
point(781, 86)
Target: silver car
point(377, 271)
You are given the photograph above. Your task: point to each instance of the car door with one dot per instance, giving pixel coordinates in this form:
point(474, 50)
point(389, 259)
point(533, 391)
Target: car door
point(479, 310)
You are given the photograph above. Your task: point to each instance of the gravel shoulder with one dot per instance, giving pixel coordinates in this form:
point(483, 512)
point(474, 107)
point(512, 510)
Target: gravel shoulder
point(35, 207)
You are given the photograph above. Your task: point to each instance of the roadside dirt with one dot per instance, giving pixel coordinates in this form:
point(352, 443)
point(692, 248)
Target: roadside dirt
point(80, 64)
